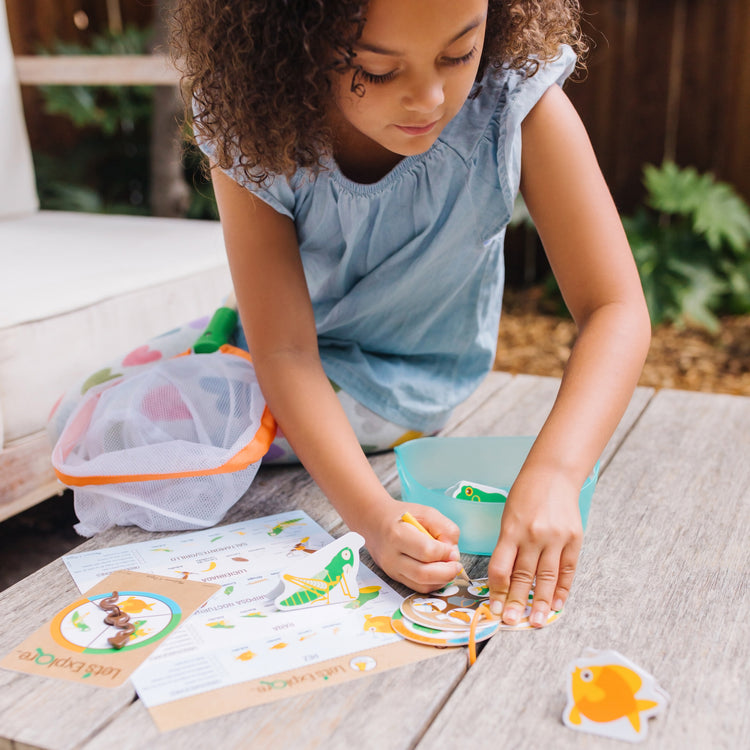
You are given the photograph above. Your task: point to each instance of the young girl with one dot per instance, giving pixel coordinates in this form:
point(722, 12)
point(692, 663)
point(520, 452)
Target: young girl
point(366, 157)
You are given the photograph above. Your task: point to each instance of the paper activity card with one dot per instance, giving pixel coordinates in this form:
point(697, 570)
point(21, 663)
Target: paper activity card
point(83, 643)
point(239, 635)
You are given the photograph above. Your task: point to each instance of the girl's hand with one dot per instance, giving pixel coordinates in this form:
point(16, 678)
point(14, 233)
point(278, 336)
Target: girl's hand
point(409, 555)
point(540, 537)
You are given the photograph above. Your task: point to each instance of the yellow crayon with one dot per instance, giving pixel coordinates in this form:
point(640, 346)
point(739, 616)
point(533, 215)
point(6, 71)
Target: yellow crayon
point(409, 518)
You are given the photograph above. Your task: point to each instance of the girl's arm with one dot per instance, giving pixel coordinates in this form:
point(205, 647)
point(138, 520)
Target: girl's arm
point(277, 316)
point(589, 254)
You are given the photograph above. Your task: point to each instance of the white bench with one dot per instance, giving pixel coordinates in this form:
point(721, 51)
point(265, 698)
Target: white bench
point(77, 290)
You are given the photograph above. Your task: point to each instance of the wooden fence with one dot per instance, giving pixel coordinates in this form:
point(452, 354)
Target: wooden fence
point(665, 79)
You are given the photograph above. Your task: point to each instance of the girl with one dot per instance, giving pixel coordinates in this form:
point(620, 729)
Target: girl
point(365, 158)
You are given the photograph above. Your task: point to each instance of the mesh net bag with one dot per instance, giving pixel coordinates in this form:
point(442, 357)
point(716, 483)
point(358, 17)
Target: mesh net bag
point(173, 447)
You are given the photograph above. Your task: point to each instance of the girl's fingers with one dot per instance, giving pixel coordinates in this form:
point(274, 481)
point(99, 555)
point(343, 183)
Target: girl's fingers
point(425, 548)
point(521, 579)
point(439, 526)
point(568, 562)
point(547, 572)
point(425, 578)
point(499, 571)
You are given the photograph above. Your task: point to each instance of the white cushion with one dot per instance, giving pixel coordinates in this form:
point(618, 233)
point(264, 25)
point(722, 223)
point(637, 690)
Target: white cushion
point(17, 186)
point(55, 261)
point(78, 290)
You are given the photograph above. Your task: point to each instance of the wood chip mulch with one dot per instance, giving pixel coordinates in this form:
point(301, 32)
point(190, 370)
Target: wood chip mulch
point(536, 341)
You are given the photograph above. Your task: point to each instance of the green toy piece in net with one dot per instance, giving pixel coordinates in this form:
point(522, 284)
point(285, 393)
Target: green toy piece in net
point(220, 330)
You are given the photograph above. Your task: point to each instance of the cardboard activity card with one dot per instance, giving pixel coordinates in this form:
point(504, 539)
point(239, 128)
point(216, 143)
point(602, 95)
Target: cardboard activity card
point(78, 644)
point(240, 649)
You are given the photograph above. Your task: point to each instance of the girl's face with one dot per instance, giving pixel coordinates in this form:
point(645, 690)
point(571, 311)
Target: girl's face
point(419, 59)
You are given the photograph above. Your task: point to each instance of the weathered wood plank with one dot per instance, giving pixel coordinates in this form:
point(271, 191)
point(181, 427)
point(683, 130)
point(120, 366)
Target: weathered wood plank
point(96, 70)
point(27, 475)
point(662, 579)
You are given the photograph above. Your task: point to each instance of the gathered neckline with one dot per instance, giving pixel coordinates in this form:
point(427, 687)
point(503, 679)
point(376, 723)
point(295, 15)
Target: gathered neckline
point(365, 188)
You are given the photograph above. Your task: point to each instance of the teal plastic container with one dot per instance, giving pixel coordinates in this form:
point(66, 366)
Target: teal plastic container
point(427, 466)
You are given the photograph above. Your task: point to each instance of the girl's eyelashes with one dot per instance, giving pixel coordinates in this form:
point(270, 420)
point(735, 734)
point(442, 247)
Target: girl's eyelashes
point(372, 78)
point(385, 77)
point(461, 60)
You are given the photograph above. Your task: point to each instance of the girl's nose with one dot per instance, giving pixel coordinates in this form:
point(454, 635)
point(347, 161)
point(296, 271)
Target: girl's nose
point(424, 94)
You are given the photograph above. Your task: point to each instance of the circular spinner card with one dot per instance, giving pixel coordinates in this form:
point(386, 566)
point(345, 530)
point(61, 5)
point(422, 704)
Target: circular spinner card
point(453, 606)
point(81, 627)
point(450, 608)
point(434, 637)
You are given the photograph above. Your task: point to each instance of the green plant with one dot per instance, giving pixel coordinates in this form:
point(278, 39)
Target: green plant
point(107, 171)
point(113, 110)
point(691, 243)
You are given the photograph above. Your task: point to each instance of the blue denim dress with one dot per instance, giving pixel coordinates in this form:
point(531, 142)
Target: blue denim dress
point(406, 274)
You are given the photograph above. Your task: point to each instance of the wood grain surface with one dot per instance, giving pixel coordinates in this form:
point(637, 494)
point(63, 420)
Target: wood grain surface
point(661, 579)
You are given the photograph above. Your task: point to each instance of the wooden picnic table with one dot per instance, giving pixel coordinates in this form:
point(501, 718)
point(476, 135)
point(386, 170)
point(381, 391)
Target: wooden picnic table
point(662, 579)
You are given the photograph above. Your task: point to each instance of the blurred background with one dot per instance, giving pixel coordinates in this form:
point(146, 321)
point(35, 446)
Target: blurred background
point(666, 83)
point(666, 80)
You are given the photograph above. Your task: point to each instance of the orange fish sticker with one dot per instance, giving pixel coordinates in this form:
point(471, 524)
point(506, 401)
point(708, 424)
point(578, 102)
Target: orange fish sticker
point(134, 606)
point(611, 696)
point(378, 624)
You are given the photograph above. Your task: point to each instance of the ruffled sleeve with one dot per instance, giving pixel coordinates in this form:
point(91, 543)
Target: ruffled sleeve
point(523, 93)
point(277, 192)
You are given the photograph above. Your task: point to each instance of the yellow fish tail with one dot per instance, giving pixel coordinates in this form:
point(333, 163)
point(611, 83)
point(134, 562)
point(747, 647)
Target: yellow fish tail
point(635, 717)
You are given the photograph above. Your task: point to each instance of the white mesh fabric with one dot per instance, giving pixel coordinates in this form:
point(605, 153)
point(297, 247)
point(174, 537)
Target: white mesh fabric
point(187, 414)
point(163, 505)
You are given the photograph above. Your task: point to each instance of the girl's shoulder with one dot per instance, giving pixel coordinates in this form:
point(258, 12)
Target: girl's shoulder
point(483, 137)
point(503, 100)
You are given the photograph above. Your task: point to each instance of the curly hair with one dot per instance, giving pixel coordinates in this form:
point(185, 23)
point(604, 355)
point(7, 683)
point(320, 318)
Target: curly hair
point(256, 72)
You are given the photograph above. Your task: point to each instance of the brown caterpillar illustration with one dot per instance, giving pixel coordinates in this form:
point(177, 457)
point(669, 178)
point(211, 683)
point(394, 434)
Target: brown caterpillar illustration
point(118, 618)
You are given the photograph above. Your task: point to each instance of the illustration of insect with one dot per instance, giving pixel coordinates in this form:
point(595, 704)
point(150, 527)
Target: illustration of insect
point(79, 623)
point(300, 547)
point(281, 525)
point(140, 631)
point(366, 594)
point(220, 624)
point(320, 586)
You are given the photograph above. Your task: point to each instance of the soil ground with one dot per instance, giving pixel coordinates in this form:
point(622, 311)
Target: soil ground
point(535, 341)
point(532, 340)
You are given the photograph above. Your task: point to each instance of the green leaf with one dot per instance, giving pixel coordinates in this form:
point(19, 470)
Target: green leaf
point(716, 211)
point(738, 280)
point(60, 196)
point(691, 243)
point(723, 217)
point(672, 190)
point(697, 298)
